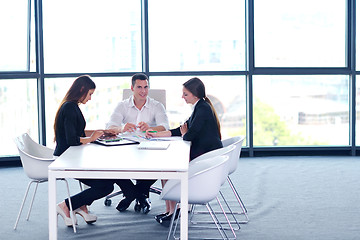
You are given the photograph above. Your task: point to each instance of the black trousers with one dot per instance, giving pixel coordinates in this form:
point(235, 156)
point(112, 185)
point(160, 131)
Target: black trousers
point(99, 188)
point(138, 190)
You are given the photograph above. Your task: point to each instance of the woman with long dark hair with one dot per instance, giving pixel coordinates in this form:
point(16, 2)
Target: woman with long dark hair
point(202, 129)
point(69, 128)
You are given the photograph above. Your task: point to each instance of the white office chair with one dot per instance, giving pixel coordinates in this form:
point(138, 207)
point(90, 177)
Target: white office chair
point(35, 159)
point(224, 151)
point(233, 164)
point(205, 180)
point(160, 96)
point(157, 94)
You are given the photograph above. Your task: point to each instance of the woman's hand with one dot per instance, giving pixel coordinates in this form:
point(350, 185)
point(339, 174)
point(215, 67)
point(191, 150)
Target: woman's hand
point(183, 129)
point(112, 131)
point(151, 133)
point(96, 134)
point(91, 136)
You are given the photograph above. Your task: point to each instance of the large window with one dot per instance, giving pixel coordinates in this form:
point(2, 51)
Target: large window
point(301, 110)
point(14, 40)
point(228, 100)
point(92, 36)
point(280, 72)
point(197, 35)
point(357, 96)
point(18, 113)
point(358, 35)
point(300, 33)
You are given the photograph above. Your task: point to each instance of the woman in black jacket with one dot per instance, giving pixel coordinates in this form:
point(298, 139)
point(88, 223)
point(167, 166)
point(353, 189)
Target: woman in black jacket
point(202, 129)
point(70, 130)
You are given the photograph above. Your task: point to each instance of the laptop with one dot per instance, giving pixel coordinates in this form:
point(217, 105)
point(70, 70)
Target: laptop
point(114, 141)
point(157, 145)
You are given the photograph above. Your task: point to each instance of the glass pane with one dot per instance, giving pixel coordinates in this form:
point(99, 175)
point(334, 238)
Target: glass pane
point(229, 102)
point(96, 112)
point(19, 114)
point(14, 40)
point(357, 124)
point(197, 35)
point(299, 33)
point(92, 36)
point(358, 35)
point(301, 110)
point(228, 98)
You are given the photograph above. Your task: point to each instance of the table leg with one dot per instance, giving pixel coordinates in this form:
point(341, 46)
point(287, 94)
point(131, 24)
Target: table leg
point(184, 206)
point(52, 206)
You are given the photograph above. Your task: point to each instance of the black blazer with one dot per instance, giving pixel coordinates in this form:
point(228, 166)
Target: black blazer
point(202, 130)
point(69, 128)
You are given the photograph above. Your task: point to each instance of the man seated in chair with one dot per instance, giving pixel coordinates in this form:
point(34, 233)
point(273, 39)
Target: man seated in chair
point(139, 112)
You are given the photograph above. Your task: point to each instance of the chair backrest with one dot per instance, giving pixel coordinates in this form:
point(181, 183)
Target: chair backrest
point(224, 151)
point(205, 180)
point(217, 152)
point(35, 157)
point(157, 94)
point(237, 142)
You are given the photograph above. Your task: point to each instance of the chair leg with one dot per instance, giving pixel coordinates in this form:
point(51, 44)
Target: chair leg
point(230, 211)
point(172, 228)
point(192, 212)
point(238, 198)
point(113, 194)
point(155, 190)
point(107, 201)
point(72, 215)
point(240, 202)
point(32, 201)
point(228, 222)
point(23, 202)
point(227, 219)
point(216, 221)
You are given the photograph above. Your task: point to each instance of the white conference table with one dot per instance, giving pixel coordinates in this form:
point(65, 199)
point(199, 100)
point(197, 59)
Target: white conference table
point(121, 162)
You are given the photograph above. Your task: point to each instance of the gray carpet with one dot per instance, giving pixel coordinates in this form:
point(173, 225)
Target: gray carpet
point(286, 197)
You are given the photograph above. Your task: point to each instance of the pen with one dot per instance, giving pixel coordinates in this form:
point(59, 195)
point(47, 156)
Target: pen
point(150, 131)
point(113, 140)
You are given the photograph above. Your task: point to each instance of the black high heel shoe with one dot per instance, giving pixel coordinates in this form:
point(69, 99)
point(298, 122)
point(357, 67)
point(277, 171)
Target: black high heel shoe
point(165, 221)
point(159, 216)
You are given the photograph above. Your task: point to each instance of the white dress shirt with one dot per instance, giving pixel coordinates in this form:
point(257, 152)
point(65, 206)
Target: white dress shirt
point(153, 113)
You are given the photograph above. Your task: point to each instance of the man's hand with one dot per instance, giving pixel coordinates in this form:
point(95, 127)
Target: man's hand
point(143, 126)
point(129, 127)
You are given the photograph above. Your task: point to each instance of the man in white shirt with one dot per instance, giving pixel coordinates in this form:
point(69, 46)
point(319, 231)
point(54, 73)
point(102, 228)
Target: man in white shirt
point(139, 112)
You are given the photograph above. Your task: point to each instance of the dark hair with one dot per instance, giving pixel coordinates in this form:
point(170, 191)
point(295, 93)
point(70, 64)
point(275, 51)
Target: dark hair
point(138, 76)
point(197, 88)
point(76, 93)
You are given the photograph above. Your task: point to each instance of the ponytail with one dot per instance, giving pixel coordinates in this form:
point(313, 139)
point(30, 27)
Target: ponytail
point(215, 114)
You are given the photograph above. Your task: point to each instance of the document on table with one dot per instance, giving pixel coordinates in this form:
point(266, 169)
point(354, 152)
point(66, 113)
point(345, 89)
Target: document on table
point(157, 145)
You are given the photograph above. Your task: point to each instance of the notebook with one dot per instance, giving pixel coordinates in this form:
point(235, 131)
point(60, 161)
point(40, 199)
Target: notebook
point(159, 145)
point(114, 141)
